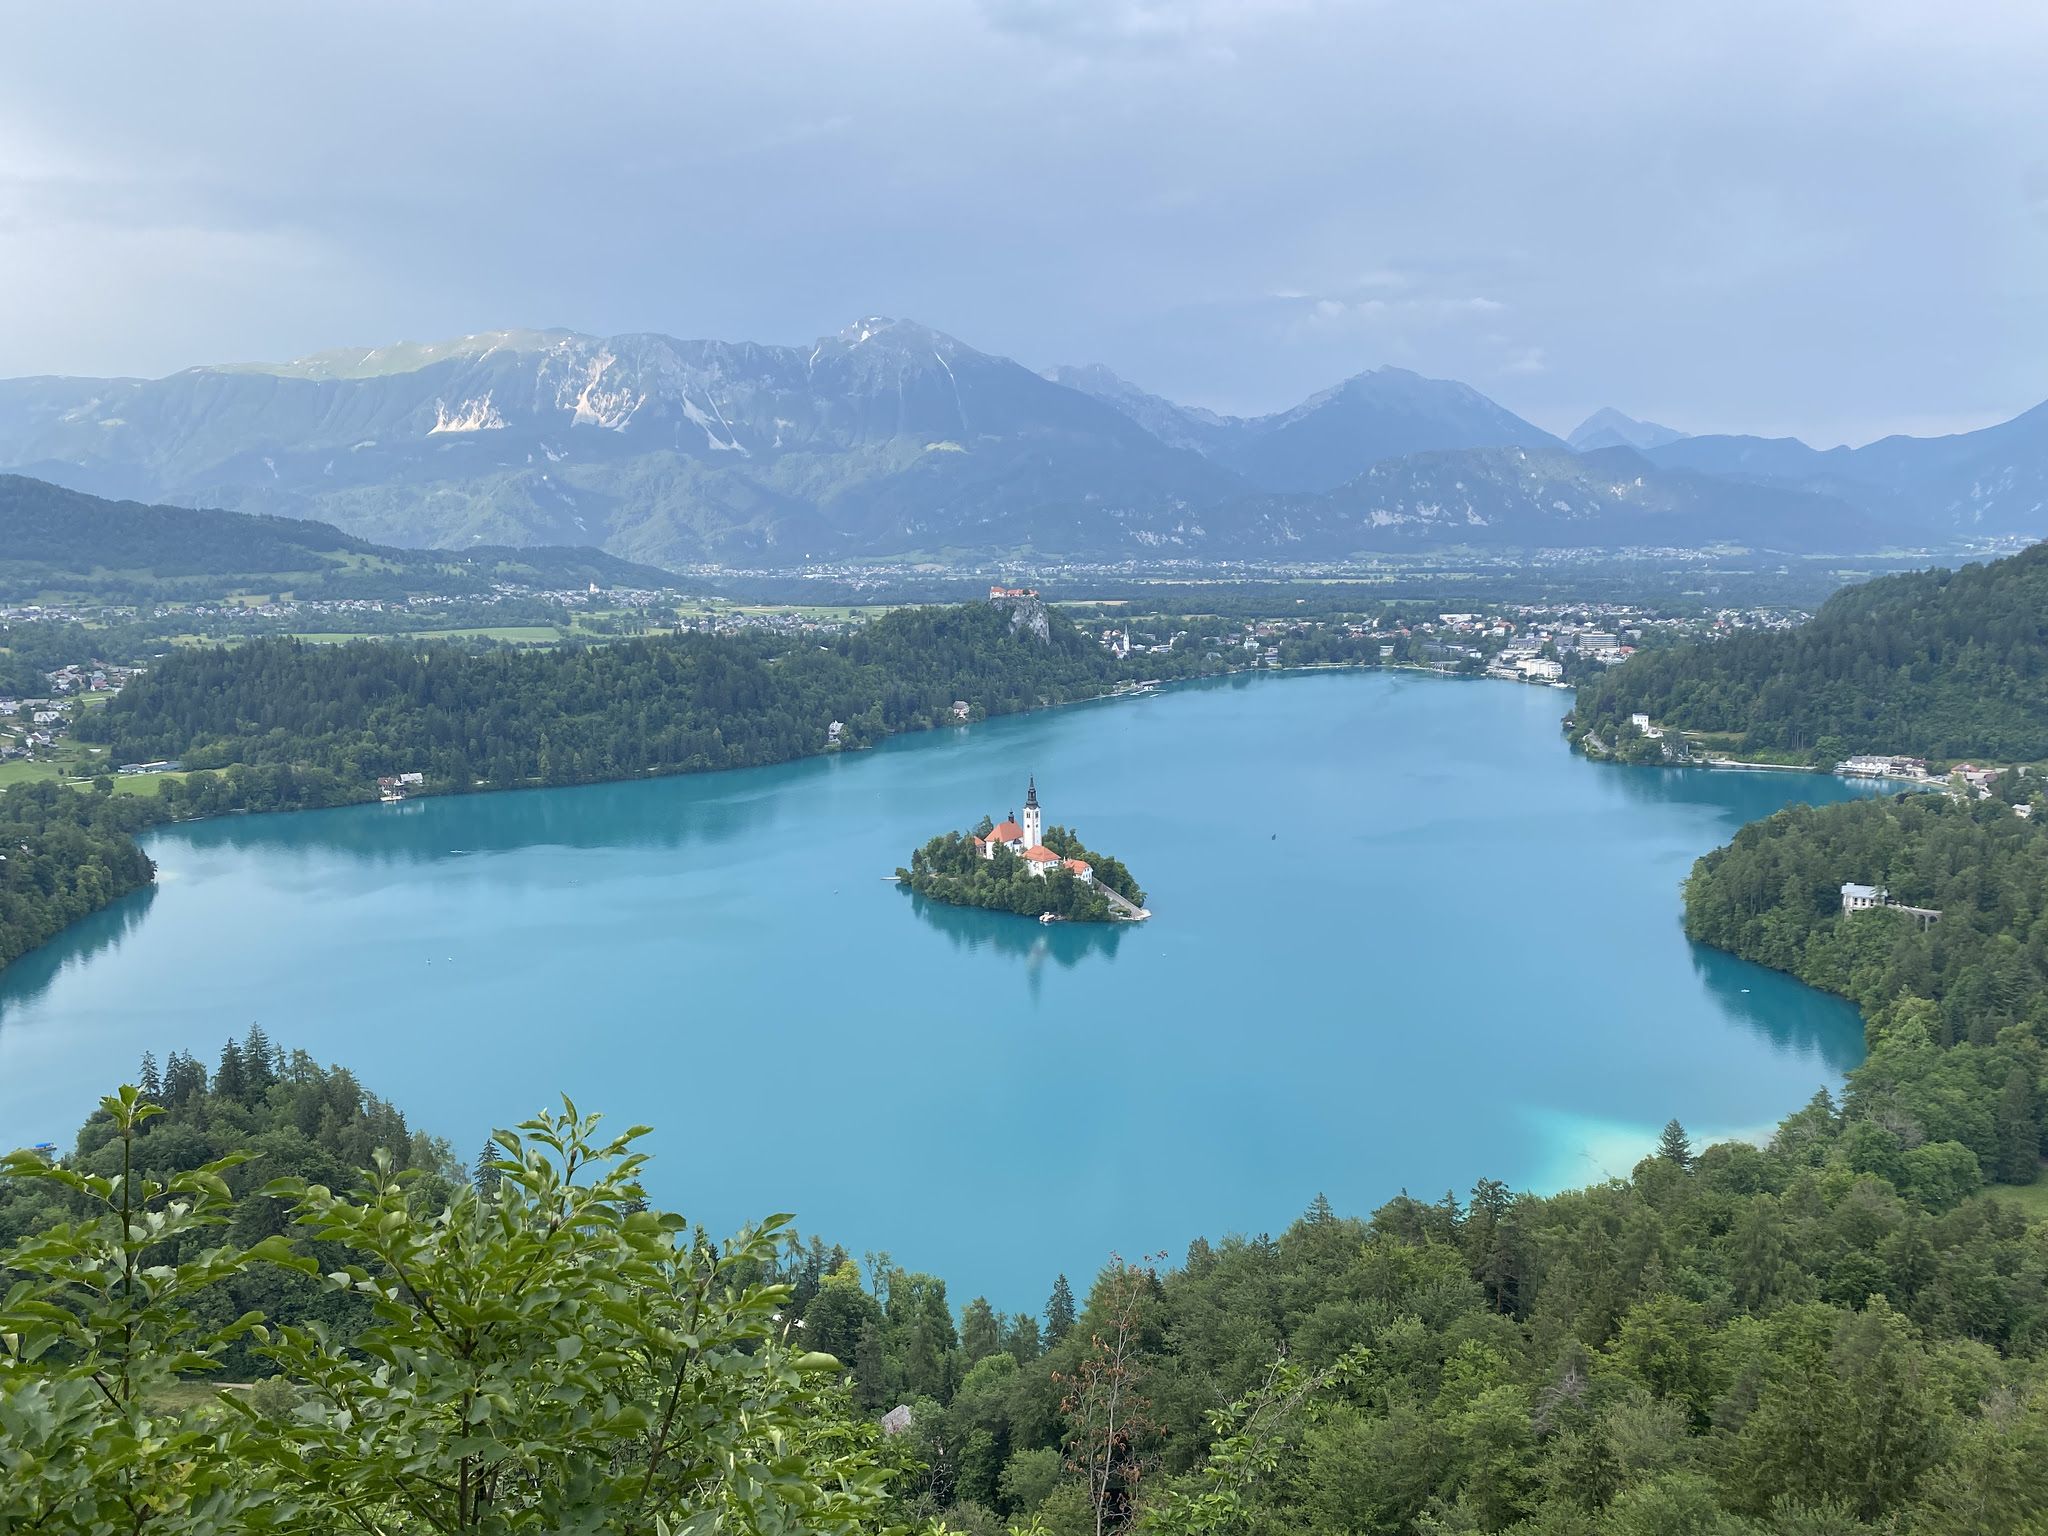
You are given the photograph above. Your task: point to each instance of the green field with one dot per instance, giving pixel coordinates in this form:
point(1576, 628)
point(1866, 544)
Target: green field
point(2029, 1199)
point(80, 773)
point(839, 614)
point(513, 634)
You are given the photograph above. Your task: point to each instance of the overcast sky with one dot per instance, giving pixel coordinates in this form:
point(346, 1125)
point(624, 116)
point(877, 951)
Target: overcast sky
point(1828, 219)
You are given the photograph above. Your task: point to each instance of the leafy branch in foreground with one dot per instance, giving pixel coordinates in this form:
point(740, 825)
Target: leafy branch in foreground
point(1254, 1436)
point(98, 1324)
point(551, 1357)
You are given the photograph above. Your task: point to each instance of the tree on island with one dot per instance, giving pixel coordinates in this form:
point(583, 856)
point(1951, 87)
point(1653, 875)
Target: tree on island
point(950, 868)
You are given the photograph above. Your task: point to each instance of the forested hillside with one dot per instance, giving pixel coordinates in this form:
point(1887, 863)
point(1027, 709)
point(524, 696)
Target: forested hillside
point(1942, 664)
point(63, 856)
point(671, 705)
point(1773, 895)
point(1831, 1335)
point(58, 540)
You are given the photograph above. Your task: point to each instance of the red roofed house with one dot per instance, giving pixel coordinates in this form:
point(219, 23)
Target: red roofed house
point(1027, 840)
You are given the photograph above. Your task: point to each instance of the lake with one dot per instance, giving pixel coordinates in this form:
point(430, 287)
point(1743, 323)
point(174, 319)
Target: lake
point(1403, 938)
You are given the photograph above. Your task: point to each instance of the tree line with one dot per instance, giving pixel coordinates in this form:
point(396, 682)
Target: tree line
point(575, 714)
point(1941, 664)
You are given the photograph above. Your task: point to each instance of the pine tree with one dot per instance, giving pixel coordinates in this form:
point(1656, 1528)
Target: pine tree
point(1059, 1311)
point(184, 1079)
point(1021, 1338)
point(483, 1175)
point(2018, 1158)
point(259, 1061)
point(1673, 1146)
point(981, 1331)
point(151, 1085)
point(230, 1080)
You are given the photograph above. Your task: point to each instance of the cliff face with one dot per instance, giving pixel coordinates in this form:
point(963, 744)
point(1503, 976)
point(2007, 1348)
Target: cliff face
point(1027, 614)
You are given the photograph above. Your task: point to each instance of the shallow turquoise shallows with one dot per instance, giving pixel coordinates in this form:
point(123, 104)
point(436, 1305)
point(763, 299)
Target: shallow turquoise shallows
point(1402, 938)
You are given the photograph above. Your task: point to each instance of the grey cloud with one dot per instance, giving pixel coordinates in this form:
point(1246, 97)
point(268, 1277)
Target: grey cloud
point(1829, 219)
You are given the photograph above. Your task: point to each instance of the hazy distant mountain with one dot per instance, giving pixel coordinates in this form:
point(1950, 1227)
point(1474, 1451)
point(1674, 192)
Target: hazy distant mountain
point(1333, 437)
point(1608, 428)
point(889, 439)
point(886, 436)
point(1182, 426)
point(1535, 498)
point(1329, 438)
point(1991, 483)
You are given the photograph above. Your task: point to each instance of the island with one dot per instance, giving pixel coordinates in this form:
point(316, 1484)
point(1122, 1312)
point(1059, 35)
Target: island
point(1025, 867)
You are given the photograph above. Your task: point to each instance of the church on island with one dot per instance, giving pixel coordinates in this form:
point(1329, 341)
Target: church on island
point(1025, 841)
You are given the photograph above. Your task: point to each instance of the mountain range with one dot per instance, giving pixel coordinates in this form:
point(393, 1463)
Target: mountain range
point(893, 440)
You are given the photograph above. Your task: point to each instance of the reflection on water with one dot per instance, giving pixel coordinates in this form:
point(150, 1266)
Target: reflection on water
point(1001, 932)
point(1745, 794)
point(1792, 1016)
point(27, 979)
point(710, 808)
point(1063, 944)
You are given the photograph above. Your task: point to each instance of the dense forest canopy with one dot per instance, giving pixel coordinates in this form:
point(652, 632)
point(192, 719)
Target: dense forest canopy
point(1957, 1007)
point(670, 705)
point(1941, 664)
point(63, 856)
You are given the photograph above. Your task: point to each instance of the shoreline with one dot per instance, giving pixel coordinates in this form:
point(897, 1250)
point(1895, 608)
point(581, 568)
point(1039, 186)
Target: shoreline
point(1043, 917)
point(1083, 938)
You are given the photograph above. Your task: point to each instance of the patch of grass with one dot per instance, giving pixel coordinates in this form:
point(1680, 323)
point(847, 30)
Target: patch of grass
point(25, 773)
point(137, 783)
point(2031, 1200)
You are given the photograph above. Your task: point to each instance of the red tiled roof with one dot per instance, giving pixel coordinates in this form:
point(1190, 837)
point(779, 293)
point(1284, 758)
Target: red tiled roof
point(1006, 832)
point(1078, 866)
point(1041, 855)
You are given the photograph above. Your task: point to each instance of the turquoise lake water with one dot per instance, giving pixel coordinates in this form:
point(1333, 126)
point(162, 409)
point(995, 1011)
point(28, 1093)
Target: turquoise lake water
point(1403, 938)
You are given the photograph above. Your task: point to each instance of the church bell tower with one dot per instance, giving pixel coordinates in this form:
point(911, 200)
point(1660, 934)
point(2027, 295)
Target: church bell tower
point(1034, 819)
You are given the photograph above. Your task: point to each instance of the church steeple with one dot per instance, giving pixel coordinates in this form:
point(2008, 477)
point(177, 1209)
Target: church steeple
point(1034, 819)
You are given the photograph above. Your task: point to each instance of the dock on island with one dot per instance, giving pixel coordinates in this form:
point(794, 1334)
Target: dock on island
point(1123, 908)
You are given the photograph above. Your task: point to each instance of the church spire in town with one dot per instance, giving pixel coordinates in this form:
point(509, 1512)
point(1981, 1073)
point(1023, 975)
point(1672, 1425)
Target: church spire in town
point(1034, 819)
